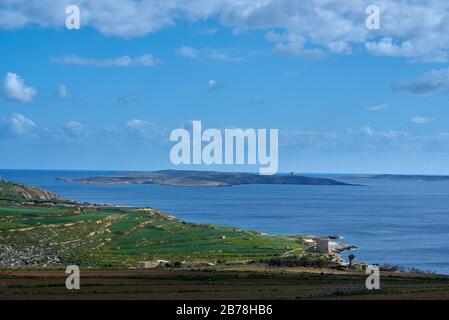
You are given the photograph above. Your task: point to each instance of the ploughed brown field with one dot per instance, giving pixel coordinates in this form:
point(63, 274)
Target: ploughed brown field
point(236, 283)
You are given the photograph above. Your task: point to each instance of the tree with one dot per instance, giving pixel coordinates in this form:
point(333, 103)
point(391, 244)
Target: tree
point(351, 257)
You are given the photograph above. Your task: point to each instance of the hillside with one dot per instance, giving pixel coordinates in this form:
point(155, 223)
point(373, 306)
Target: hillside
point(56, 234)
point(187, 178)
point(22, 193)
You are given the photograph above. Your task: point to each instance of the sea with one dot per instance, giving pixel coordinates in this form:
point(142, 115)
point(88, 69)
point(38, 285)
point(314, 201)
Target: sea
point(398, 222)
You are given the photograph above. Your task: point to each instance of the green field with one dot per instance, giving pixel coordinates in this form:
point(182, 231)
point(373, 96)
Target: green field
point(56, 233)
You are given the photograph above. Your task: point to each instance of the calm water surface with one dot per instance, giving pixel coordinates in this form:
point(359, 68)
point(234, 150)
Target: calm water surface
point(398, 222)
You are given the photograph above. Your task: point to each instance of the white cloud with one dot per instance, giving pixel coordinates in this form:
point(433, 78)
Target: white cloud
point(414, 29)
point(145, 60)
point(187, 52)
point(14, 88)
point(21, 125)
point(17, 125)
point(387, 47)
point(420, 120)
point(432, 82)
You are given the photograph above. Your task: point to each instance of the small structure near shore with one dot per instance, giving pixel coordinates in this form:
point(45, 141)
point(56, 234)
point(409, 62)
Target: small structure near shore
point(359, 266)
point(152, 264)
point(322, 245)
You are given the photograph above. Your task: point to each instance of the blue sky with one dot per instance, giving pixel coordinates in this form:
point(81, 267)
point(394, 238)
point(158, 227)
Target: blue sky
point(378, 103)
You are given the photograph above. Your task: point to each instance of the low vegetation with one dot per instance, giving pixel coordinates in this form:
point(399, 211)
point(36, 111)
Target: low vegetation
point(43, 230)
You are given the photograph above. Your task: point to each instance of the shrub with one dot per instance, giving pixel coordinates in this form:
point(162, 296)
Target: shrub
point(311, 260)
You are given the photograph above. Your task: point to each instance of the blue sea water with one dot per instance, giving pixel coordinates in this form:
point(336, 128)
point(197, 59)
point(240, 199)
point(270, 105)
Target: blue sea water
point(395, 222)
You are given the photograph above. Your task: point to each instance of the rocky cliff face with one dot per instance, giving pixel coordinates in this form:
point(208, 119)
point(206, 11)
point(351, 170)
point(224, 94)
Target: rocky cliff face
point(21, 193)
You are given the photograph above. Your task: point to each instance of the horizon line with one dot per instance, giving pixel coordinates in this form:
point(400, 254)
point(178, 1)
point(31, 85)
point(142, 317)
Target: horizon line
point(211, 170)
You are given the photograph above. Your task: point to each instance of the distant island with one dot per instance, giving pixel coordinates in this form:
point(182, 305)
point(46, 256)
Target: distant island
point(188, 178)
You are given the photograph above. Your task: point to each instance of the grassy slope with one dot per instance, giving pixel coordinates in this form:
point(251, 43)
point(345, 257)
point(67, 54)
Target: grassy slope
point(116, 237)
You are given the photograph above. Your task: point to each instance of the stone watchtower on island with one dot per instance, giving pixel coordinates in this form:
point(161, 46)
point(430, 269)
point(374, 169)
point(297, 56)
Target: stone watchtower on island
point(322, 245)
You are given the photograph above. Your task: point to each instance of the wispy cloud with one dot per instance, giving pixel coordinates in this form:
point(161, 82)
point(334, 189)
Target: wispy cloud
point(138, 131)
point(22, 128)
point(146, 60)
point(17, 125)
point(432, 82)
point(221, 55)
point(187, 52)
point(224, 55)
point(127, 99)
point(378, 107)
point(254, 102)
point(421, 120)
point(75, 128)
point(291, 74)
point(208, 31)
point(363, 139)
point(62, 92)
point(297, 51)
point(291, 44)
point(142, 129)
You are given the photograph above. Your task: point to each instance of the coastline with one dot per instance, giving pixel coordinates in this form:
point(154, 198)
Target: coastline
point(31, 198)
point(111, 230)
point(268, 219)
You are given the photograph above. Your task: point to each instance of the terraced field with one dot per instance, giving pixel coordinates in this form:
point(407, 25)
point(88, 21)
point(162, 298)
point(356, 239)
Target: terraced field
point(52, 232)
